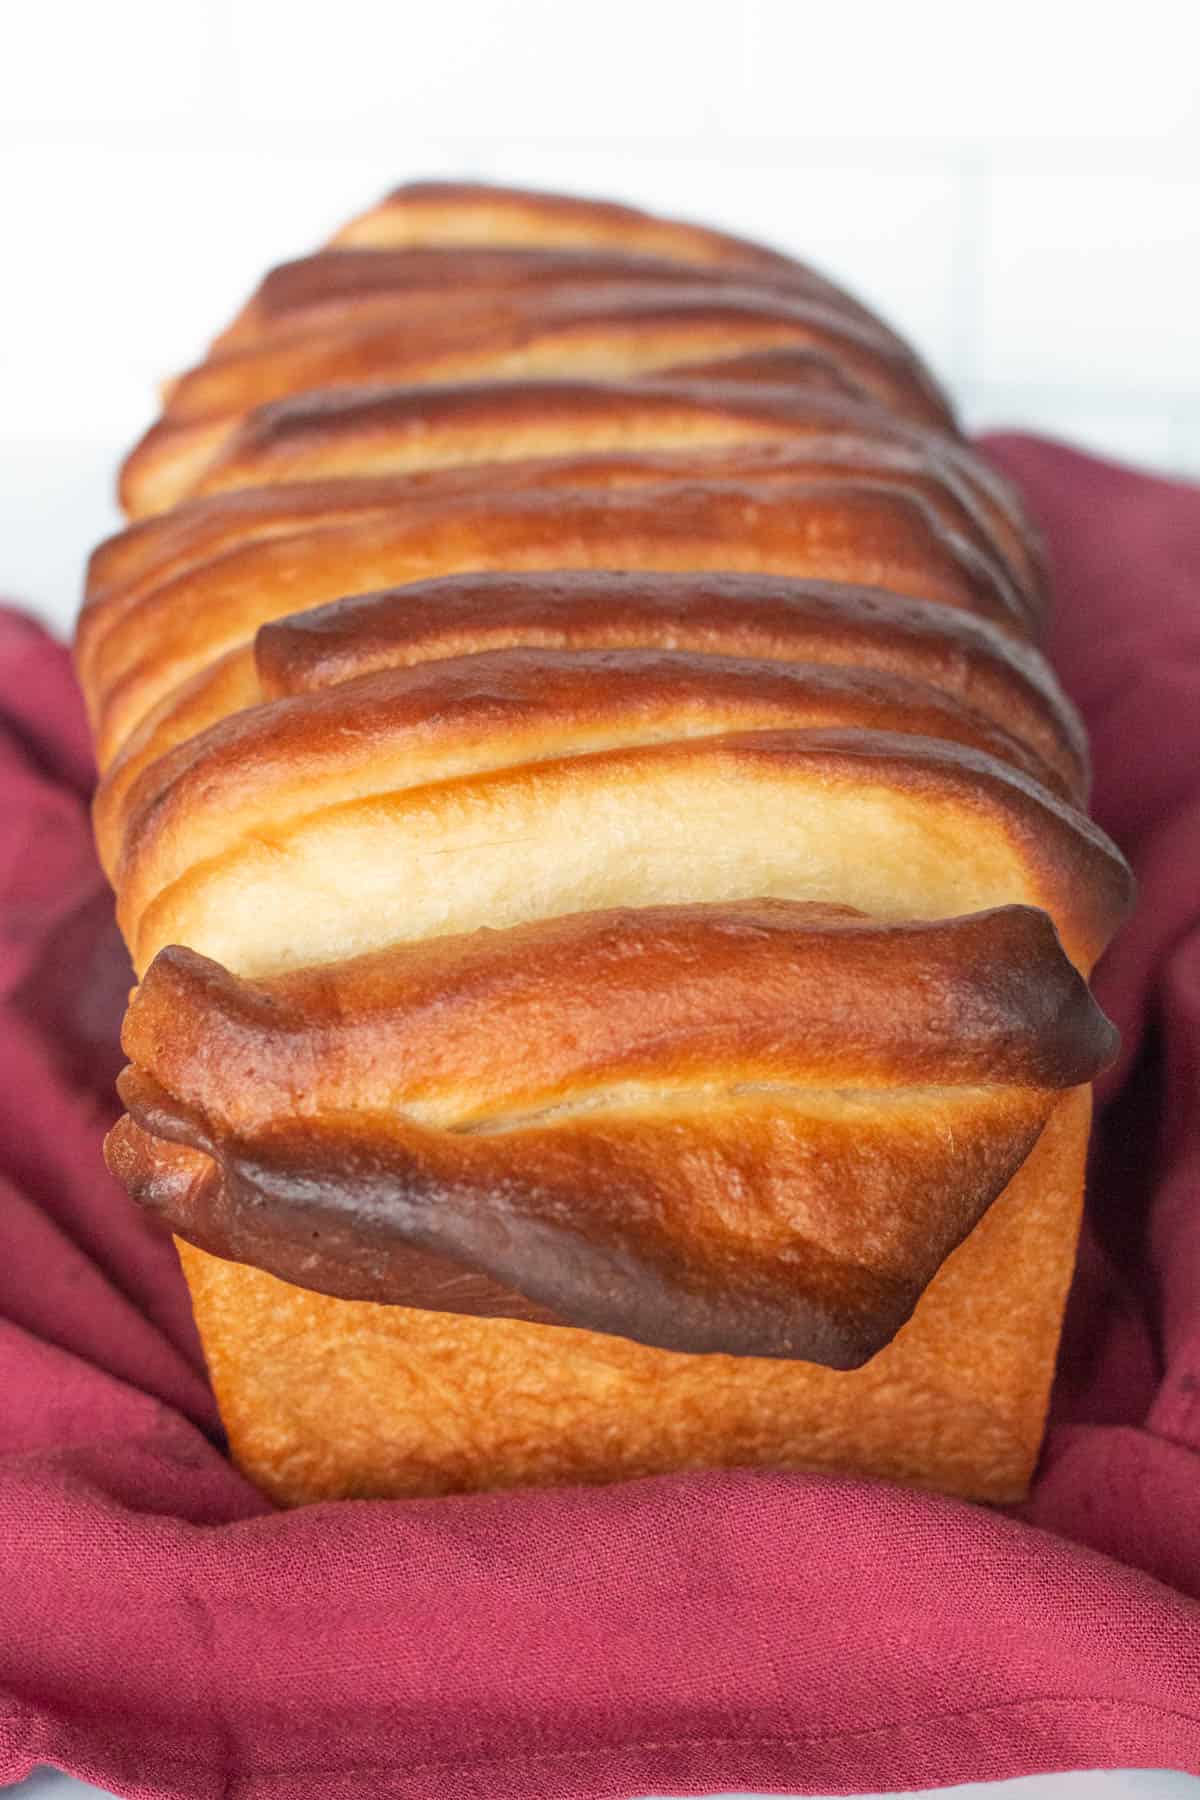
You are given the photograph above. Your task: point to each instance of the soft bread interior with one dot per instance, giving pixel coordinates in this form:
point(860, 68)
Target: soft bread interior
point(985, 678)
point(439, 722)
point(892, 831)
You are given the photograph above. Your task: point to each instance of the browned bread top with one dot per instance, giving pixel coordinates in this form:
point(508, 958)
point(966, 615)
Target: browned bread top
point(377, 428)
point(968, 498)
point(991, 671)
point(896, 825)
point(647, 1122)
point(448, 718)
point(344, 286)
point(492, 283)
point(874, 533)
point(989, 676)
point(610, 330)
point(477, 213)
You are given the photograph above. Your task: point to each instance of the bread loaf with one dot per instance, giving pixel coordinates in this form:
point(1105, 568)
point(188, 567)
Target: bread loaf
point(604, 860)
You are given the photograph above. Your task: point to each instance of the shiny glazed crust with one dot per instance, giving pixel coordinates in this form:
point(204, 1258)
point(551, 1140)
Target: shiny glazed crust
point(346, 287)
point(602, 853)
point(643, 1121)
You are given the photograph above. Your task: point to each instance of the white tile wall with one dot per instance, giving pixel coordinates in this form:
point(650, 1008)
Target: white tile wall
point(132, 63)
point(1031, 72)
point(645, 69)
point(1017, 188)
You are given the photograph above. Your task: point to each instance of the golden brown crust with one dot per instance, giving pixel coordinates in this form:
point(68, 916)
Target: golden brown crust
point(321, 435)
point(427, 213)
point(350, 1112)
point(460, 1030)
point(586, 1218)
point(989, 673)
point(749, 615)
point(454, 717)
point(869, 533)
point(167, 544)
point(353, 287)
point(617, 332)
point(972, 498)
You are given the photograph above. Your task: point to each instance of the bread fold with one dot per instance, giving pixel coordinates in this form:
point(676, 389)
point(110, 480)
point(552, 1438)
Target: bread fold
point(644, 1122)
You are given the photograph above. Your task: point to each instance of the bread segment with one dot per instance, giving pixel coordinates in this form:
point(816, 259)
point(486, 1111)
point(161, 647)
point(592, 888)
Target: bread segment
point(137, 560)
point(422, 214)
point(376, 428)
point(581, 331)
point(872, 533)
point(777, 618)
point(645, 1122)
point(980, 676)
point(334, 289)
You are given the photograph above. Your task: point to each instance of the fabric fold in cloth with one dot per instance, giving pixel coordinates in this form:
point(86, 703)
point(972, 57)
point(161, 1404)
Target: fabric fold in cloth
point(164, 1632)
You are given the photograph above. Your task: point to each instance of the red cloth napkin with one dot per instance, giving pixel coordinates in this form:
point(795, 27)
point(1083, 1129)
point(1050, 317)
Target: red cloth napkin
point(163, 1632)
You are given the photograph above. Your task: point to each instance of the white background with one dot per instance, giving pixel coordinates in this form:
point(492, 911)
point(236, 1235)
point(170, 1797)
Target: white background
point(1016, 186)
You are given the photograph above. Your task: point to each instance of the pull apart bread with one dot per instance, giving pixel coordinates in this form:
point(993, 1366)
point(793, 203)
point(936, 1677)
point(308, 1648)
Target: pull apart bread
point(605, 865)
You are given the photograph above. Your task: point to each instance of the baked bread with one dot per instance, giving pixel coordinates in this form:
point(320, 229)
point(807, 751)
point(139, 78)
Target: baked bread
point(605, 864)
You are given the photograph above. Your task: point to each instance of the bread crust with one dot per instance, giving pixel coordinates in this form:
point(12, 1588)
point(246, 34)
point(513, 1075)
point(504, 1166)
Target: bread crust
point(644, 1122)
point(337, 287)
point(327, 1399)
point(865, 533)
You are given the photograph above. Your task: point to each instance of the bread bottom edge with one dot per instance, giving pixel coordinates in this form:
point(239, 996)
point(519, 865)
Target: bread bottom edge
point(328, 1399)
